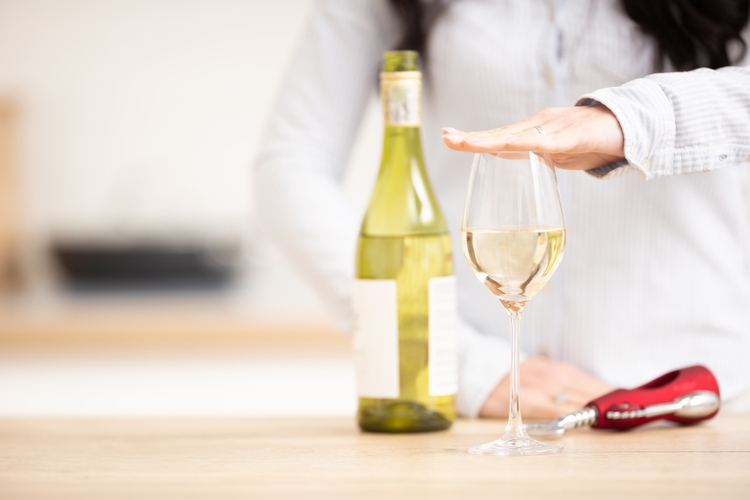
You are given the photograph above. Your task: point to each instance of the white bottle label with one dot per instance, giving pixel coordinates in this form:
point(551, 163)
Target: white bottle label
point(376, 339)
point(443, 369)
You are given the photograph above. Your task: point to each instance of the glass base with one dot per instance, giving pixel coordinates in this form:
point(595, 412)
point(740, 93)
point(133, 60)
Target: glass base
point(515, 446)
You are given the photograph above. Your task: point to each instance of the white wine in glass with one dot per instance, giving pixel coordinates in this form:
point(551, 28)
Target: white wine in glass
point(513, 237)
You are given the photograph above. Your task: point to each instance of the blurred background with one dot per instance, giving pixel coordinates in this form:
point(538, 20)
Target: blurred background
point(132, 279)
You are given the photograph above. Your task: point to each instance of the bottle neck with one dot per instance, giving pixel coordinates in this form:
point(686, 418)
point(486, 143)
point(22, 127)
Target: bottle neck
point(401, 94)
point(402, 146)
point(402, 202)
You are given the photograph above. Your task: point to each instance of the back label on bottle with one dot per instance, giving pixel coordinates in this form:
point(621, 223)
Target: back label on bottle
point(376, 338)
point(442, 323)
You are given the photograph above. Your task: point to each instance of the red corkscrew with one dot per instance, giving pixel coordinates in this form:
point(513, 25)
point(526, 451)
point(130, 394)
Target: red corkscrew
point(685, 396)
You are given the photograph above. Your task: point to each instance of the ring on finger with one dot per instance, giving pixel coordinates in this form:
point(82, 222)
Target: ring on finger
point(540, 130)
point(561, 398)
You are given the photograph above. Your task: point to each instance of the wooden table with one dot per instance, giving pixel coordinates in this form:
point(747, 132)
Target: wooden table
point(330, 458)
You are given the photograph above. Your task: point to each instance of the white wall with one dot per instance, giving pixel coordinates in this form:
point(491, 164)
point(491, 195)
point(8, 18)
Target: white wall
point(141, 117)
point(142, 113)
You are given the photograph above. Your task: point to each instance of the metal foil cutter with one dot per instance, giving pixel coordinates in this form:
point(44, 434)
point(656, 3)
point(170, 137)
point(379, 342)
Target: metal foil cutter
point(685, 396)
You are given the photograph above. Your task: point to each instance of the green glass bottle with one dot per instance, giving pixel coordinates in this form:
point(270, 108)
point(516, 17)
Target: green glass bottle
point(404, 294)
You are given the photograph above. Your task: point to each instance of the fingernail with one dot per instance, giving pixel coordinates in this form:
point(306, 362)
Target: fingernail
point(449, 130)
point(453, 137)
point(472, 139)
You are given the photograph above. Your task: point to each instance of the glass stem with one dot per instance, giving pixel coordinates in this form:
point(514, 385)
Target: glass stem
point(514, 429)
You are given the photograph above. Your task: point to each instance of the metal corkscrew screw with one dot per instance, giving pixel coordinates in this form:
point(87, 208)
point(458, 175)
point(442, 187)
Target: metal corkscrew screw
point(685, 396)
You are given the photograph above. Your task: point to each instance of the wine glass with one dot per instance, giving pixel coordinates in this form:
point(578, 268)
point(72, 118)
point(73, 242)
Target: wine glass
point(513, 236)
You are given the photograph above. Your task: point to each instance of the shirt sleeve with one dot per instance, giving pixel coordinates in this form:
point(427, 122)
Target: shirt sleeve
point(299, 201)
point(678, 123)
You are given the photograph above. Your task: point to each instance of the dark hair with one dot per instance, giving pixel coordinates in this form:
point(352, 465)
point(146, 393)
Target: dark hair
point(417, 17)
point(690, 33)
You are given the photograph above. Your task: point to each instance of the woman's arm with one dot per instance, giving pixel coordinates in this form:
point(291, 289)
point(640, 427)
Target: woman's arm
point(664, 124)
point(299, 202)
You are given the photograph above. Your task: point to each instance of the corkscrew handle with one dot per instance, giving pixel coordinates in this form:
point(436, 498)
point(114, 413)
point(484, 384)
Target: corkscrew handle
point(685, 396)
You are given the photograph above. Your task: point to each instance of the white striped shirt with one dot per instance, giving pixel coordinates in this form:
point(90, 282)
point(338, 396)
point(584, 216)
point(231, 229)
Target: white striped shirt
point(680, 123)
point(656, 274)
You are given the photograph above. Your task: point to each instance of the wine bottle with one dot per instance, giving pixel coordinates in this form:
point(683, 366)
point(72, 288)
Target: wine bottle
point(405, 291)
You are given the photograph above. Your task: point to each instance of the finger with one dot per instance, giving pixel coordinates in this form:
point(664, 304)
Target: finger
point(511, 129)
point(469, 142)
point(482, 142)
point(538, 406)
point(562, 382)
point(582, 392)
point(476, 141)
point(564, 396)
point(562, 141)
point(516, 142)
point(494, 407)
point(512, 155)
point(573, 399)
point(581, 381)
point(545, 410)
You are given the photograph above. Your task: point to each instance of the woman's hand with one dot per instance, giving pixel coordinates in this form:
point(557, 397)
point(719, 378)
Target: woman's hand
point(577, 138)
point(548, 389)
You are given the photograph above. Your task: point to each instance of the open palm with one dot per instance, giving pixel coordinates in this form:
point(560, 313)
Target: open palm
point(576, 138)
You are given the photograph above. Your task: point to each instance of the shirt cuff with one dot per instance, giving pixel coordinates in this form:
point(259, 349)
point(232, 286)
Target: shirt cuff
point(646, 117)
point(483, 361)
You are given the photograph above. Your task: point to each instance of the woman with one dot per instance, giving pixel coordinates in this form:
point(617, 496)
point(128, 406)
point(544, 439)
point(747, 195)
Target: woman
point(656, 274)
